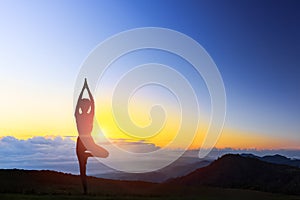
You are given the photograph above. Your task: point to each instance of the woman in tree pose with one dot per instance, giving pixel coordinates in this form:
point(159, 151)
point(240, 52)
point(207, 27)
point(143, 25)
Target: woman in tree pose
point(86, 147)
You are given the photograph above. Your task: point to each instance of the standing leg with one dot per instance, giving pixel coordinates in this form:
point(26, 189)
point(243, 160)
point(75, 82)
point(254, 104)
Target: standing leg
point(82, 159)
point(82, 166)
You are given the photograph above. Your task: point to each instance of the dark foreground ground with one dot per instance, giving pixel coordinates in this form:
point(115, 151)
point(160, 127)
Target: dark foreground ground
point(204, 194)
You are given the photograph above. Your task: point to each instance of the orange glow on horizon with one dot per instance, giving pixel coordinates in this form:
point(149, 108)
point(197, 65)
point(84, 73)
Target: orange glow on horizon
point(56, 123)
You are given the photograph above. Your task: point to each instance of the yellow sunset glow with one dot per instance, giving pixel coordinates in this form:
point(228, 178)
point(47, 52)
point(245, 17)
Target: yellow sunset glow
point(30, 122)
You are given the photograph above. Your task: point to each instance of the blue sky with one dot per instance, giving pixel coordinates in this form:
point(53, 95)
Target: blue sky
point(255, 44)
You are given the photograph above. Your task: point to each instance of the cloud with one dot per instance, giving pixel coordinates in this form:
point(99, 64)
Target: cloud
point(56, 154)
point(136, 146)
point(38, 153)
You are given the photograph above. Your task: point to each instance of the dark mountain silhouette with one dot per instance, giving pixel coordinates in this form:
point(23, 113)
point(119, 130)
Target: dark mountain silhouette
point(236, 171)
point(276, 159)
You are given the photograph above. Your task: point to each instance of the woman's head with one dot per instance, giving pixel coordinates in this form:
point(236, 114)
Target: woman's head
point(85, 106)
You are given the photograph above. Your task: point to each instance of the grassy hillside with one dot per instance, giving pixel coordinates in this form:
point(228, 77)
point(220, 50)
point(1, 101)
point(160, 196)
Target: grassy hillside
point(204, 194)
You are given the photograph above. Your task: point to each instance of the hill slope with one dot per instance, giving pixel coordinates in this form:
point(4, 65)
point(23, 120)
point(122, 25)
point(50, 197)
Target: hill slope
point(235, 171)
point(51, 182)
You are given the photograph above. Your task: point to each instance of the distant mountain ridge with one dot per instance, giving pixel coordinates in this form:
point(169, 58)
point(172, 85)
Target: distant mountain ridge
point(237, 171)
point(186, 164)
point(276, 159)
point(177, 169)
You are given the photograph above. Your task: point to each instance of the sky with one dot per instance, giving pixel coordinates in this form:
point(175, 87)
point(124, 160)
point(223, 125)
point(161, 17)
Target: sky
point(255, 45)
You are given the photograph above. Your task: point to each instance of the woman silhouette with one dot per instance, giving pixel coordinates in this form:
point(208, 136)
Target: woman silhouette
point(86, 147)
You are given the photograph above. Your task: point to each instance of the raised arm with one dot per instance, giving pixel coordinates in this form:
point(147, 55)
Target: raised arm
point(90, 96)
point(79, 98)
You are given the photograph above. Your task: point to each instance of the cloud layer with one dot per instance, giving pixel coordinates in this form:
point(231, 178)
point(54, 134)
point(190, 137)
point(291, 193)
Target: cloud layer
point(59, 154)
point(38, 153)
point(56, 154)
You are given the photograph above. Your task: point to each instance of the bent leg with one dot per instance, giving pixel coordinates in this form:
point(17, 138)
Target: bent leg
point(98, 151)
point(94, 149)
